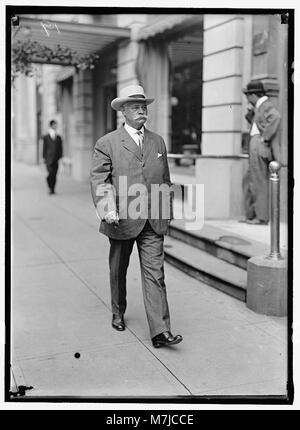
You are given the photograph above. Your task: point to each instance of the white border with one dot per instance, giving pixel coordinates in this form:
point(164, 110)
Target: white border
point(171, 4)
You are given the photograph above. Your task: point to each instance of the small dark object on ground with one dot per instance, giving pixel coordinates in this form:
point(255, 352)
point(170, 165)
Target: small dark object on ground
point(76, 355)
point(21, 391)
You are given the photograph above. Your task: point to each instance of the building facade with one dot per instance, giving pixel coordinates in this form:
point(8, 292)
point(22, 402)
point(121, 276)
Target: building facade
point(194, 65)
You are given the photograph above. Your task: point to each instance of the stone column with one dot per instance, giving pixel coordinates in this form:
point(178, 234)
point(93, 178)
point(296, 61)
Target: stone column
point(24, 120)
point(222, 83)
point(223, 50)
point(82, 142)
point(49, 102)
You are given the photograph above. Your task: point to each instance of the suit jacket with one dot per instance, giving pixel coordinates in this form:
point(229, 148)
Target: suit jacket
point(118, 168)
point(267, 119)
point(52, 149)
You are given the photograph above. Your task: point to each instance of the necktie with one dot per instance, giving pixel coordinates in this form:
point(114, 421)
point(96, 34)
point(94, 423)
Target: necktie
point(141, 139)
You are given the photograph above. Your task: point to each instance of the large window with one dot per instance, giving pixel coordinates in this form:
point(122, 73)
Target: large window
point(186, 91)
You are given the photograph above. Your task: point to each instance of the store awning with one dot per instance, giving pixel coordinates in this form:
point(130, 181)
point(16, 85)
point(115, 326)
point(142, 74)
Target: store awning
point(165, 25)
point(85, 39)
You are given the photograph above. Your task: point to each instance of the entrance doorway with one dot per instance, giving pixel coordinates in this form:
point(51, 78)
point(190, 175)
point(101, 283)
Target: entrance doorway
point(109, 93)
point(186, 59)
point(105, 90)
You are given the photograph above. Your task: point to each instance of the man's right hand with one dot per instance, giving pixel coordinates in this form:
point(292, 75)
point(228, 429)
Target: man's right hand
point(112, 217)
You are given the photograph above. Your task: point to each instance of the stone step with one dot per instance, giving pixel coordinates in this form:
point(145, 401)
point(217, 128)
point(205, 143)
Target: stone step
point(207, 268)
point(222, 244)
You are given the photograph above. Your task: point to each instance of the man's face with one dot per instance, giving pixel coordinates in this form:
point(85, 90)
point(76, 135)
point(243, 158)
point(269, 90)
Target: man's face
point(135, 114)
point(252, 98)
point(54, 125)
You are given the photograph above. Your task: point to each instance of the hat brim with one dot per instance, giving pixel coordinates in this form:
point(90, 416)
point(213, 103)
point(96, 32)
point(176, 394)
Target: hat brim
point(245, 91)
point(254, 90)
point(117, 103)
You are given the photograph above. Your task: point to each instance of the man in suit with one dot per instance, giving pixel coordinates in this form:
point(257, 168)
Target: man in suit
point(52, 152)
point(264, 146)
point(127, 162)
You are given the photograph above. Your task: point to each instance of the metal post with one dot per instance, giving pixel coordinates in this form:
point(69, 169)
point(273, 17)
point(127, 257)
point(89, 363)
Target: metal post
point(274, 168)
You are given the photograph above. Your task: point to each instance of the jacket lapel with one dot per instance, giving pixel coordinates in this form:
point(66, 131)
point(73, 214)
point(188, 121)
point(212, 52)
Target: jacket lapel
point(50, 138)
point(129, 143)
point(148, 145)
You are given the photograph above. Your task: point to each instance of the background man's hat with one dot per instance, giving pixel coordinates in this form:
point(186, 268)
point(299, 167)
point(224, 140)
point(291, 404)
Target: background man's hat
point(254, 86)
point(132, 93)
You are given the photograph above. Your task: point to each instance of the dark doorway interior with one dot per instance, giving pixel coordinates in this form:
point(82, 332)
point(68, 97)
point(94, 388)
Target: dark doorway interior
point(105, 90)
point(186, 53)
point(109, 93)
point(67, 113)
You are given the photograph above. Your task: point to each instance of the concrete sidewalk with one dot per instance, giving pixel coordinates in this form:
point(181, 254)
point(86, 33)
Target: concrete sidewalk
point(61, 305)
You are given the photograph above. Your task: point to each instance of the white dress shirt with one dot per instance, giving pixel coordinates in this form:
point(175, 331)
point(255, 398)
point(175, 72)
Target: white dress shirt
point(52, 133)
point(133, 132)
point(254, 129)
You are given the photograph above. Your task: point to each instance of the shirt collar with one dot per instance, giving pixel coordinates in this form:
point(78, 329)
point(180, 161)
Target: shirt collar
point(260, 101)
point(131, 130)
point(52, 132)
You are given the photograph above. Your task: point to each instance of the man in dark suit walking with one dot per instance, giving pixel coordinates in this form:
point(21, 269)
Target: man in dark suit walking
point(52, 152)
point(129, 161)
point(264, 147)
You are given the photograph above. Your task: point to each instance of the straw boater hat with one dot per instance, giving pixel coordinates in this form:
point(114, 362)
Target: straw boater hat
point(132, 93)
point(254, 86)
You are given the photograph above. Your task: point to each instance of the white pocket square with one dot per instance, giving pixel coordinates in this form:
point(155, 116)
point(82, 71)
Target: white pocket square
point(159, 155)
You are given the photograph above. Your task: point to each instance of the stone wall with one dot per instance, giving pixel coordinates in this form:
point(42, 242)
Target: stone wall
point(24, 127)
point(83, 141)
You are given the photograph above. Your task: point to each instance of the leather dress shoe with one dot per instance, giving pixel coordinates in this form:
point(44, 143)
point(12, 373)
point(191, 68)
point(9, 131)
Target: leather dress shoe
point(118, 323)
point(256, 221)
point(244, 220)
point(165, 339)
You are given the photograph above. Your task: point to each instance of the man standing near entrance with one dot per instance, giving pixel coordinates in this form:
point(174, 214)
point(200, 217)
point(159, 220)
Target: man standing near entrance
point(138, 156)
point(264, 147)
point(52, 152)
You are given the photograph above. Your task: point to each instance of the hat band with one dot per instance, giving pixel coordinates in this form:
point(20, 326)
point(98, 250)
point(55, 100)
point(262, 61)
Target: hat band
point(137, 96)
